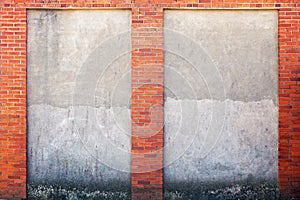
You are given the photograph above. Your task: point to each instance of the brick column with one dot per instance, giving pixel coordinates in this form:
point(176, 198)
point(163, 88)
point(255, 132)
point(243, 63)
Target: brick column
point(147, 102)
point(12, 102)
point(289, 103)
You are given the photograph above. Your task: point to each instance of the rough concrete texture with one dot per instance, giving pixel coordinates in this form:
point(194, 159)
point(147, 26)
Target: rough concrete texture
point(235, 191)
point(220, 98)
point(79, 99)
point(50, 192)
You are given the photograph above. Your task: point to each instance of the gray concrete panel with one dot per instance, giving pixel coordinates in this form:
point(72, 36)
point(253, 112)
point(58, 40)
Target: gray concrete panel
point(79, 89)
point(221, 123)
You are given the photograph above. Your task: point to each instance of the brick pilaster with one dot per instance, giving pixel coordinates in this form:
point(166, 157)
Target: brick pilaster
point(12, 102)
point(147, 103)
point(289, 103)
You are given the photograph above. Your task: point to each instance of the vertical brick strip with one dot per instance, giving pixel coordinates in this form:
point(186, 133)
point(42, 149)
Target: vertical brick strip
point(289, 103)
point(13, 102)
point(147, 102)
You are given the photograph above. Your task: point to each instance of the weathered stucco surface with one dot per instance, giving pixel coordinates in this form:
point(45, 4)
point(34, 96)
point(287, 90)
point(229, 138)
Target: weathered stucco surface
point(221, 123)
point(79, 98)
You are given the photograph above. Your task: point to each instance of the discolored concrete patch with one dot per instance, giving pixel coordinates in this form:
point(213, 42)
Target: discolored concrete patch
point(213, 191)
point(51, 192)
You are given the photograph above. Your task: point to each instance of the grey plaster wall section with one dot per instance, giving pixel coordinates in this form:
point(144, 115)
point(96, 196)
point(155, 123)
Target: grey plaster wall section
point(79, 98)
point(220, 97)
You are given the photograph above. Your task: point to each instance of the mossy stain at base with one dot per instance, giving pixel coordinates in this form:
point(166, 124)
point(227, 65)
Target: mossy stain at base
point(53, 192)
point(218, 192)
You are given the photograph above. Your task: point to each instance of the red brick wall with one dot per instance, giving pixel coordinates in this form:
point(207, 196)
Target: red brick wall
point(12, 101)
point(289, 101)
point(147, 102)
point(147, 88)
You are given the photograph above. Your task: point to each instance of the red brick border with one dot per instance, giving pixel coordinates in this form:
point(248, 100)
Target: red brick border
point(12, 102)
point(147, 102)
point(289, 102)
point(147, 88)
